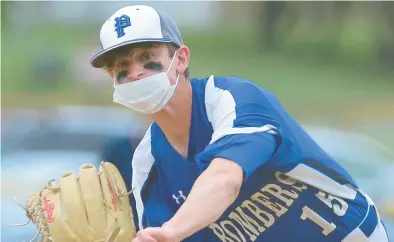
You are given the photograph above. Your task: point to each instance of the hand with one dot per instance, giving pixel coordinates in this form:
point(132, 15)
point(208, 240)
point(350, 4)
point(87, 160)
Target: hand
point(158, 234)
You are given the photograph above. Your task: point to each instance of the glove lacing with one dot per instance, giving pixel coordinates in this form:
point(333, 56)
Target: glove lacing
point(35, 213)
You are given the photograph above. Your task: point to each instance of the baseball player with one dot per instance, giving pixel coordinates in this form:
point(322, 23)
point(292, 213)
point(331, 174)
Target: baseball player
point(222, 159)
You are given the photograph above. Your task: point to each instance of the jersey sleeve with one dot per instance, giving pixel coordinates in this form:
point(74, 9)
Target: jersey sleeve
point(244, 125)
point(142, 163)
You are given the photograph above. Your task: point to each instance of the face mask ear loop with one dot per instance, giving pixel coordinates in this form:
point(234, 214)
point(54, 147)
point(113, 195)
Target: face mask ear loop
point(172, 61)
point(114, 83)
point(177, 79)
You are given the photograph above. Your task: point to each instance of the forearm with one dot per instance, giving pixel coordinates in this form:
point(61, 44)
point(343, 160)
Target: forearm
point(212, 193)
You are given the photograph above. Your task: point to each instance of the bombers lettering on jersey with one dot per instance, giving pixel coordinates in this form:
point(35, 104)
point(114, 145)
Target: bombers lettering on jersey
point(258, 213)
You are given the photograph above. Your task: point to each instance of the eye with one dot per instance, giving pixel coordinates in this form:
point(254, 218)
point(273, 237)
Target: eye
point(122, 64)
point(147, 56)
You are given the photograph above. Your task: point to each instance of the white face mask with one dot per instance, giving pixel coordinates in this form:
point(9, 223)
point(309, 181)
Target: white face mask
point(148, 95)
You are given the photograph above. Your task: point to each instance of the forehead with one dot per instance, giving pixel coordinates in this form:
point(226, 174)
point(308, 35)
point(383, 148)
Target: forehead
point(129, 50)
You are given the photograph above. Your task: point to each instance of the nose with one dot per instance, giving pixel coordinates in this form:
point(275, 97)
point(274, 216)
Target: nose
point(136, 71)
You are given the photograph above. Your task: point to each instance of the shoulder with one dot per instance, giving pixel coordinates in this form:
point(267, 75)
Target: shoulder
point(233, 90)
point(211, 89)
point(224, 94)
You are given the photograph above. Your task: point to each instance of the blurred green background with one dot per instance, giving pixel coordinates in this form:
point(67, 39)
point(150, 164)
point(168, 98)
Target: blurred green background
point(329, 62)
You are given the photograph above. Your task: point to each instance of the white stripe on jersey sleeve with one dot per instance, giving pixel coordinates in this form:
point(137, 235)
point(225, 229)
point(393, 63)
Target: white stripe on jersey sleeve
point(220, 107)
point(314, 178)
point(142, 164)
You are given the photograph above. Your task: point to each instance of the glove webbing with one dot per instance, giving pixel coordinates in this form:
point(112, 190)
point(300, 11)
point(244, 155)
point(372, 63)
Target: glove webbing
point(34, 211)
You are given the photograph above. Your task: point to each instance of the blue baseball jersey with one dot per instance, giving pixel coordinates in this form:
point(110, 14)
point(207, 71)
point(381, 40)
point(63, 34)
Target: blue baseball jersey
point(292, 189)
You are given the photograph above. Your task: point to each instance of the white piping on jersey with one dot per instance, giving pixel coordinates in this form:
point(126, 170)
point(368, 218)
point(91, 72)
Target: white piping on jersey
point(378, 235)
point(220, 107)
point(314, 178)
point(142, 164)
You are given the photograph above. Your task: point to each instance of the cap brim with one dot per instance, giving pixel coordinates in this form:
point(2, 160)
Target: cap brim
point(99, 59)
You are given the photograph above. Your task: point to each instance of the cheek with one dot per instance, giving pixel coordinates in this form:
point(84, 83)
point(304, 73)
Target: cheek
point(172, 77)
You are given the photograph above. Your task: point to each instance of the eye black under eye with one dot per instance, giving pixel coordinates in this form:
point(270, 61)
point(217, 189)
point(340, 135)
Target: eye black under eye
point(155, 66)
point(121, 76)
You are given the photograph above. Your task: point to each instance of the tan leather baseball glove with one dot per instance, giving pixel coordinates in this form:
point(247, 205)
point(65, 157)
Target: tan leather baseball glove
point(90, 207)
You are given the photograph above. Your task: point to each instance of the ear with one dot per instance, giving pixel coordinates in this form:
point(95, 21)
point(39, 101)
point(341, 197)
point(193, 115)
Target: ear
point(111, 74)
point(183, 54)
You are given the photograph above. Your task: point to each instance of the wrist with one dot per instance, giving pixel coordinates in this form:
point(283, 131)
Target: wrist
point(174, 231)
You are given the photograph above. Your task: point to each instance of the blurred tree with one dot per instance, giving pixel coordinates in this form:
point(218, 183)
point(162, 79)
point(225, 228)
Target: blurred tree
point(47, 71)
point(5, 10)
point(386, 45)
point(340, 10)
point(388, 11)
point(271, 12)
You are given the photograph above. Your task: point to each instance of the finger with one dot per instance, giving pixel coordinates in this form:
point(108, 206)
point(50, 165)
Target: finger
point(144, 236)
point(156, 233)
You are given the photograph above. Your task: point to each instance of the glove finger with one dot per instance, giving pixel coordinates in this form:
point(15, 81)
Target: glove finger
point(51, 205)
point(112, 184)
point(73, 204)
point(113, 236)
point(93, 199)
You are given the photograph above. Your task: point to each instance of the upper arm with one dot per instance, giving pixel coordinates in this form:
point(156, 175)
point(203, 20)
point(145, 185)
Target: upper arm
point(244, 125)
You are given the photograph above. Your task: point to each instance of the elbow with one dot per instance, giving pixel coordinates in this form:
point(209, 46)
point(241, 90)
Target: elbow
point(232, 186)
point(230, 179)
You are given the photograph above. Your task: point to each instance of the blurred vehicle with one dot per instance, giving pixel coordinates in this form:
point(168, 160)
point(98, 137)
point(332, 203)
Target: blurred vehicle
point(68, 127)
point(369, 161)
point(40, 145)
point(40, 148)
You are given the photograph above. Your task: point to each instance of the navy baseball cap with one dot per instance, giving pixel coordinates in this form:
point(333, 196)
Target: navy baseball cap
point(135, 24)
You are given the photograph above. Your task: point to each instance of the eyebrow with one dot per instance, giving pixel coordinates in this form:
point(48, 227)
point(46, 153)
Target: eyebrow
point(124, 51)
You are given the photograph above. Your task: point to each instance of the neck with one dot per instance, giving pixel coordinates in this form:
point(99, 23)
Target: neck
point(175, 119)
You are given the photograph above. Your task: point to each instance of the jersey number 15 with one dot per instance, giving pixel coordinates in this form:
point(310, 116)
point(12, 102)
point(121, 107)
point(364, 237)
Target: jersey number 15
point(338, 205)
